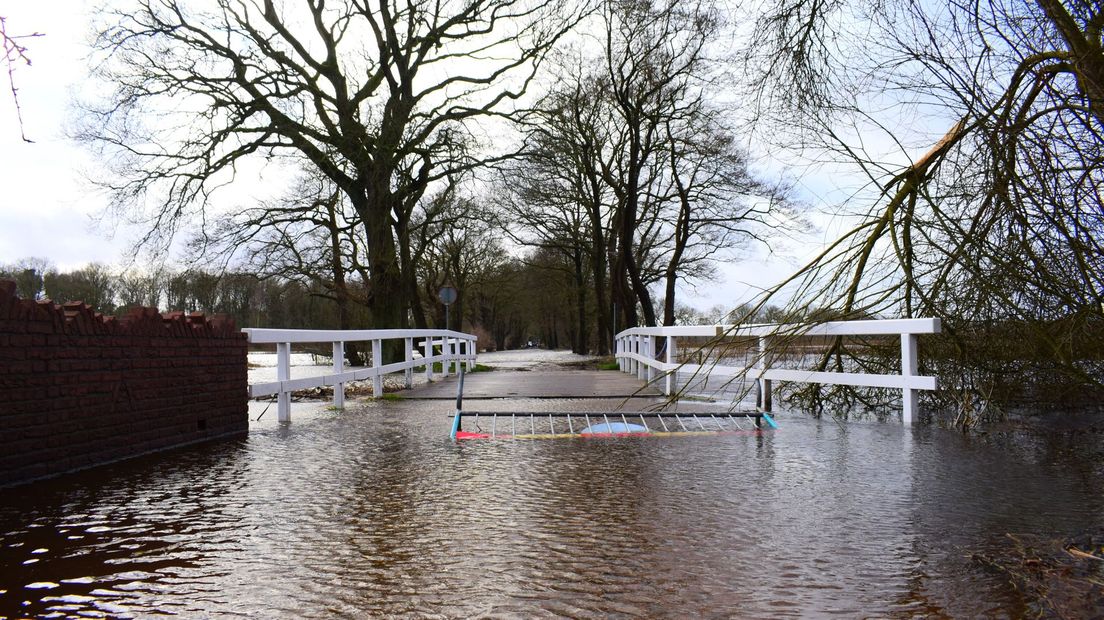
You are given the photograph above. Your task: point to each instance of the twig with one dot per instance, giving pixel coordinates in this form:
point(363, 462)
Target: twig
point(14, 52)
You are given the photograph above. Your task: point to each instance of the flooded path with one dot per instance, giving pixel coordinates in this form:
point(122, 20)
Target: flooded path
point(373, 511)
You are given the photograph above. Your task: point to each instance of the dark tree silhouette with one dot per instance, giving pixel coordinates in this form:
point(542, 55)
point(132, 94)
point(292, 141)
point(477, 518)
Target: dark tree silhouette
point(377, 95)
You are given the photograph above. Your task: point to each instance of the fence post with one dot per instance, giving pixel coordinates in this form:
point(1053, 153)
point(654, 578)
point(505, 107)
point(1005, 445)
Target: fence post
point(909, 397)
point(670, 383)
point(377, 361)
point(630, 346)
point(651, 358)
point(427, 349)
point(469, 352)
point(408, 374)
point(446, 350)
point(283, 373)
point(338, 368)
point(617, 350)
point(639, 351)
point(446, 347)
point(638, 348)
point(765, 402)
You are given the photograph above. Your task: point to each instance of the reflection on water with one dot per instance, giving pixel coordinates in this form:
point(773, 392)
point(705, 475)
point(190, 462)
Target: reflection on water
point(375, 512)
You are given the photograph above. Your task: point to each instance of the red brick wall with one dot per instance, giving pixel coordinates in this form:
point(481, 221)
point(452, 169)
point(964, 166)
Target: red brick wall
point(78, 389)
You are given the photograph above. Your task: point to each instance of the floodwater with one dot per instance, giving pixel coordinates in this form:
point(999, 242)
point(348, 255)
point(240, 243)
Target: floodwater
point(373, 511)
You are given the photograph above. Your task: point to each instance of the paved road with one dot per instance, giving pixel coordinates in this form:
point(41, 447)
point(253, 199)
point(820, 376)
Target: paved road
point(535, 373)
point(542, 383)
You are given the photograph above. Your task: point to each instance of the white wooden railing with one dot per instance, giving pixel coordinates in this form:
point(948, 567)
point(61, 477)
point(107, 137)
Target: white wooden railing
point(636, 353)
point(438, 345)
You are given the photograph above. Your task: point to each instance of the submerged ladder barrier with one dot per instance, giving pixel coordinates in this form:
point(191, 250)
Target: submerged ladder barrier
point(446, 347)
point(637, 350)
point(598, 423)
point(559, 425)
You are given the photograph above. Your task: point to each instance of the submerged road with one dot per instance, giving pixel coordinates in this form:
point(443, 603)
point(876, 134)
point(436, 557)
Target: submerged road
point(537, 383)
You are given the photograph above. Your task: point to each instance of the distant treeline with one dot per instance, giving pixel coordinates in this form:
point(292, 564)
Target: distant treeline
point(507, 305)
point(250, 300)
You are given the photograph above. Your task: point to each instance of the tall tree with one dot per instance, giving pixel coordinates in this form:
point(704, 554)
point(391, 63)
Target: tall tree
point(375, 94)
point(549, 203)
point(654, 55)
point(715, 203)
point(630, 171)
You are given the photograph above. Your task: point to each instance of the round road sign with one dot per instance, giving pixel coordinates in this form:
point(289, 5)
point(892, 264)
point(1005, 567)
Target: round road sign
point(448, 295)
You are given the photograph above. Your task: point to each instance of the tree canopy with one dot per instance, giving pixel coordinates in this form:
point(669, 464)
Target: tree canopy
point(376, 95)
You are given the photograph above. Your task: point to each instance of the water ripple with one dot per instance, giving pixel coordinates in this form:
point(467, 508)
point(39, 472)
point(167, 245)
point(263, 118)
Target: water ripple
point(373, 512)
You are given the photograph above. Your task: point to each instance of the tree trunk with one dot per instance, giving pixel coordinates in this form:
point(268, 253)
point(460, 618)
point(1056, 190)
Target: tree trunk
point(1087, 55)
point(681, 239)
point(598, 266)
point(457, 312)
point(629, 208)
point(341, 288)
point(619, 289)
point(410, 275)
point(386, 296)
point(579, 342)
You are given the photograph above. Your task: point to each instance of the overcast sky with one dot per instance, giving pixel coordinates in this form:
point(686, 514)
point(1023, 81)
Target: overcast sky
point(46, 208)
point(49, 210)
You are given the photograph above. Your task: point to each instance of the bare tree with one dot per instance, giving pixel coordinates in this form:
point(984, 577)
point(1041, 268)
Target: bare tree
point(462, 249)
point(140, 288)
point(376, 95)
point(654, 56)
point(555, 193)
point(631, 173)
point(310, 234)
point(997, 227)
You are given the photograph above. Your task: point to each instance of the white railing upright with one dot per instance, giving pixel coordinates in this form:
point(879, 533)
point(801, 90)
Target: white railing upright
point(636, 353)
point(447, 347)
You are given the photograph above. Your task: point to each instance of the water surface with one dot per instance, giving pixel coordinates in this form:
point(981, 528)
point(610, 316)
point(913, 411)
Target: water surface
point(373, 511)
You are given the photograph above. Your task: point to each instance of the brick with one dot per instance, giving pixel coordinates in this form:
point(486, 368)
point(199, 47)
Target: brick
point(78, 388)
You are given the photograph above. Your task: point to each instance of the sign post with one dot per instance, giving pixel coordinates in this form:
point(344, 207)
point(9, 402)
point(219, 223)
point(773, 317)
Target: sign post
point(448, 296)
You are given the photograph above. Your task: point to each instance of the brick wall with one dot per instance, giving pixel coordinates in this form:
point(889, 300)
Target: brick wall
point(79, 389)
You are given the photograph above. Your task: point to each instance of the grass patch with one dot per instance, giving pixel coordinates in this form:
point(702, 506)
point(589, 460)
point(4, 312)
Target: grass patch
point(609, 366)
point(391, 396)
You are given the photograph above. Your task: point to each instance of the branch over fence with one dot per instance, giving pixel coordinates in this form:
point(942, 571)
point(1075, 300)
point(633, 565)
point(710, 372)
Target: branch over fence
point(637, 353)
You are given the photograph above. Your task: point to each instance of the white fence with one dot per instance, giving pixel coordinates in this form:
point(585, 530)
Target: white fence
point(636, 353)
point(438, 345)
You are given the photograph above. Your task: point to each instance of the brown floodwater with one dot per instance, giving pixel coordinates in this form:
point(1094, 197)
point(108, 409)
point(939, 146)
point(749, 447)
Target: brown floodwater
point(375, 512)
